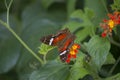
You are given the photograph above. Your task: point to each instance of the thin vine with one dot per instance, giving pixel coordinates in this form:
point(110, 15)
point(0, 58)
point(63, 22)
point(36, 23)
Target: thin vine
point(6, 24)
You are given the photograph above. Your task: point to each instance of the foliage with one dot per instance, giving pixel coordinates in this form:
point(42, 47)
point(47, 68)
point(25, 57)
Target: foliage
point(24, 22)
point(116, 5)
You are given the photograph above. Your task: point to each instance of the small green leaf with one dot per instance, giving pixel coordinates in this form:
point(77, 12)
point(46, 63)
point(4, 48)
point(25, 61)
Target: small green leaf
point(44, 49)
point(51, 71)
point(110, 59)
point(116, 5)
point(89, 13)
point(98, 48)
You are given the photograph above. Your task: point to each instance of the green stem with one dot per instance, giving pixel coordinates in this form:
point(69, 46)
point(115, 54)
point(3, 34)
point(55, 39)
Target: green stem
point(44, 58)
point(114, 42)
point(117, 44)
point(6, 4)
point(21, 41)
point(112, 69)
point(103, 1)
point(8, 10)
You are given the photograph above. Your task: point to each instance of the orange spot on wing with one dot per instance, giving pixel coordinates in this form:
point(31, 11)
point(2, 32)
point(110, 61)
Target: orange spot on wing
point(65, 46)
point(59, 38)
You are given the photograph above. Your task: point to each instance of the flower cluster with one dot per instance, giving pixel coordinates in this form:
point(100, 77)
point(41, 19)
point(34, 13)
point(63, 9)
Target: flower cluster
point(109, 24)
point(73, 51)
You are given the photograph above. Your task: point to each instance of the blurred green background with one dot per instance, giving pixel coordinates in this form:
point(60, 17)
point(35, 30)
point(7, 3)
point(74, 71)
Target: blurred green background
point(32, 19)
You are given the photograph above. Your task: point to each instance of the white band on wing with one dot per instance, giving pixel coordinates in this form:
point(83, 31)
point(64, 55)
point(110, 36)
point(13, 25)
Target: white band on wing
point(63, 52)
point(51, 40)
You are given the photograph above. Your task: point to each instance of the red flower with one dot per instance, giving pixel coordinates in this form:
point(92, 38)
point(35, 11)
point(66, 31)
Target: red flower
point(68, 60)
point(103, 34)
point(108, 25)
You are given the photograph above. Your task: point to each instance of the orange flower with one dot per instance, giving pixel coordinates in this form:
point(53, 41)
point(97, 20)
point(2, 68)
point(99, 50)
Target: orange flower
point(108, 25)
point(73, 52)
point(111, 23)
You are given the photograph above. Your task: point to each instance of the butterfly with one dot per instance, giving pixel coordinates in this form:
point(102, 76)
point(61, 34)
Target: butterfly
point(64, 40)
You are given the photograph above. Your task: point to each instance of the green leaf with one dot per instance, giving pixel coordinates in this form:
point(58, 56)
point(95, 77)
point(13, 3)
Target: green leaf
point(8, 55)
point(115, 77)
point(80, 23)
point(44, 49)
point(89, 13)
point(36, 24)
point(72, 25)
point(71, 6)
point(99, 8)
point(51, 71)
point(47, 3)
point(81, 16)
point(52, 54)
point(35, 12)
point(78, 70)
point(82, 34)
point(31, 35)
point(9, 46)
point(110, 59)
point(98, 48)
point(115, 6)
